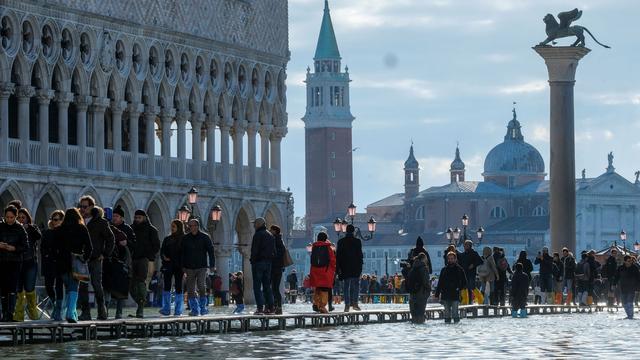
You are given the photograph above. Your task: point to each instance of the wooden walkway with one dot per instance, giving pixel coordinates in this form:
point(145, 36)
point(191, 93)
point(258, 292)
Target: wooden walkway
point(30, 332)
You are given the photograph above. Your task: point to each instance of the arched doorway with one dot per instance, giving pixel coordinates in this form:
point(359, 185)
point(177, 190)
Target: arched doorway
point(45, 207)
point(154, 213)
point(242, 241)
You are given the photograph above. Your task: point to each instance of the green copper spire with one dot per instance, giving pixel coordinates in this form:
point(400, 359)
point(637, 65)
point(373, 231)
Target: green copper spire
point(327, 47)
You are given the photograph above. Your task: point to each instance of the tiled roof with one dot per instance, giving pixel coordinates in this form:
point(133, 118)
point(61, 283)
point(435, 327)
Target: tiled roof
point(392, 200)
point(524, 223)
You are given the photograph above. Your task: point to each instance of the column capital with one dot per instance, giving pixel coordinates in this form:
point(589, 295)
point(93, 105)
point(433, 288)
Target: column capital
point(182, 117)
point(25, 92)
point(212, 120)
point(44, 96)
point(151, 110)
point(265, 130)
point(6, 89)
point(82, 102)
point(135, 108)
point(279, 132)
point(252, 128)
point(562, 61)
point(167, 114)
point(64, 98)
point(221, 252)
point(239, 127)
point(118, 107)
point(197, 118)
point(100, 104)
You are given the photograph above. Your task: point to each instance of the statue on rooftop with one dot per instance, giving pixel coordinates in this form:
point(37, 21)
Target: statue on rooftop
point(557, 30)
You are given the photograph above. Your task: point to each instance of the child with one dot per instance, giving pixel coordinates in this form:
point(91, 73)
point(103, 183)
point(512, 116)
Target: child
point(237, 292)
point(519, 292)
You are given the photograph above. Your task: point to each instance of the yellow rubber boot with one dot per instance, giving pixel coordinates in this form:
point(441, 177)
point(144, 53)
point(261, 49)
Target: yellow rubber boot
point(18, 313)
point(32, 305)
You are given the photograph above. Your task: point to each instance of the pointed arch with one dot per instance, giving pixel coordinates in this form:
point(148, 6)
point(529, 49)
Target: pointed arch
point(97, 84)
point(248, 208)
point(61, 78)
point(222, 233)
point(210, 103)
point(263, 116)
point(273, 215)
point(79, 82)
point(149, 95)
point(11, 188)
point(52, 190)
point(250, 112)
point(180, 99)
point(20, 72)
point(40, 77)
point(5, 69)
point(237, 113)
point(165, 96)
point(195, 100)
point(114, 88)
point(127, 201)
point(158, 209)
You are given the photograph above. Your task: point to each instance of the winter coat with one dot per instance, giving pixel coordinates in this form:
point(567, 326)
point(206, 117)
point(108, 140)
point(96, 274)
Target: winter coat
point(195, 251)
point(277, 264)
point(48, 253)
point(470, 259)
point(421, 250)
point(452, 279)
point(322, 277)
point(610, 268)
point(71, 239)
point(519, 289)
point(16, 236)
point(147, 242)
point(503, 273)
point(349, 257)
point(172, 249)
point(546, 264)
point(102, 239)
point(117, 270)
point(594, 267)
point(421, 282)
point(131, 235)
point(527, 266)
point(568, 267)
point(557, 270)
point(628, 278)
point(492, 273)
point(263, 246)
point(33, 237)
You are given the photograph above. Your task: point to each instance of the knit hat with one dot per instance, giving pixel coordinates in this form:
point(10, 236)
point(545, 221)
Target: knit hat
point(140, 212)
point(118, 210)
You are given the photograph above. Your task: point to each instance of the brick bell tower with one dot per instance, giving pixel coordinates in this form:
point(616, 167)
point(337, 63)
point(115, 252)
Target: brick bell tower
point(328, 147)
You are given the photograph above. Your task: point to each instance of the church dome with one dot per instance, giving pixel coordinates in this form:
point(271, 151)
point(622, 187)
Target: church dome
point(513, 156)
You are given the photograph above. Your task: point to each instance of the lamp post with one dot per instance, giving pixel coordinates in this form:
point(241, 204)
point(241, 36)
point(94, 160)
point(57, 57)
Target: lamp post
point(340, 225)
point(216, 214)
point(636, 246)
point(480, 233)
point(453, 235)
point(465, 223)
point(456, 236)
point(183, 213)
point(449, 234)
point(623, 238)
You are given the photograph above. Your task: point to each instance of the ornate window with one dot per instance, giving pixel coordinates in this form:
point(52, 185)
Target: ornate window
point(498, 212)
point(539, 211)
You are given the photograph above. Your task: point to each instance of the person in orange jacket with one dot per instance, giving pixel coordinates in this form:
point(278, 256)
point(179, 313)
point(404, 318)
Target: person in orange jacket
point(323, 271)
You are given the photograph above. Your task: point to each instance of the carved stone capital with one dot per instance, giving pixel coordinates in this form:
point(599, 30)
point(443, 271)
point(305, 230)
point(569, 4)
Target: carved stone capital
point(6, 89)
point(82, 102)
point(44, 96)
point(265, 130)
point(221, 252)
point(64, 98)
point(100, 104)
point(25, 92)
point(197, 119)
point(182, 117)
point(239, 127)
point(151, 110)
point(252, 128)
point(278, 133)
point(135, 109)
point(118, 107)
point(212, 120)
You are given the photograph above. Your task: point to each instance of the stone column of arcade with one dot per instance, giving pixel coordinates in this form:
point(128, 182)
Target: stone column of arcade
point(561, 64)
point(222, 267)
point(249, 297)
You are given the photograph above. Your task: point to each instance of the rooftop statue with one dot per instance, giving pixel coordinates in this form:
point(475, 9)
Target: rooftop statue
point(557, 31)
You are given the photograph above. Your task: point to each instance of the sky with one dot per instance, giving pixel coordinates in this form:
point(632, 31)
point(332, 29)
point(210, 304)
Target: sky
point(438, 72)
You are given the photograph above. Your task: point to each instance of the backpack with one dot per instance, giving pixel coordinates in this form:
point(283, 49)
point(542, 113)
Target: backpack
point(503, 264)
point(320, 256)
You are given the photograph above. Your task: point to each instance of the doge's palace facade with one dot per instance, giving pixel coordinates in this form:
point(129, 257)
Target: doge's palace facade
point(135, 102)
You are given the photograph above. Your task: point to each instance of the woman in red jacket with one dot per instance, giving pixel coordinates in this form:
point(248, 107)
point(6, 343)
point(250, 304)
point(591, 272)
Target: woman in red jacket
point(323, 271)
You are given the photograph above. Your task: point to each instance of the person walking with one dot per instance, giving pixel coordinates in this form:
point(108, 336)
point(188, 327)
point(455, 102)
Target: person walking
point(323, 270)
point(527, 265)
point(609, 271)
point(628, 278)
point(292, 280)
point(557, 279)
point(452, 280)
point(74, 244)
point(26, 288)
point(487, 274)
point(419, 249)
point(197, 248)
point(103, 242)
point(171, 255)
point(469, 261)
point(583, 276)
point(277, 268)
point(13, 242)
point(519, 291)
point(263, 250)
point(237, 291)
point(498, 295)
point(117, 270)
point(48, 254)
point(546, 274)
point(349, 260)
point(568, 270)
point(143, 251)
point(419, 286)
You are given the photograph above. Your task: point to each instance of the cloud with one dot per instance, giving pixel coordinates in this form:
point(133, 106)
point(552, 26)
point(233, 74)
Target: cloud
point(296, 79)
point(591, 135)
point(541, 133)
point(619, 98)
point(525, 88)
point(498, 58)
point(417, 88)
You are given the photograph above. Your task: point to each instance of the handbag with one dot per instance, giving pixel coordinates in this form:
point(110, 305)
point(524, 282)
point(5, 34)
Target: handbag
point(286, 258)
point(79, 268)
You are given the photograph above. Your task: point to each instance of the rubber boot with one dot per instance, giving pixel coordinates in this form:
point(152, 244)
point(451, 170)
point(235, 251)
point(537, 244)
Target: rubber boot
point(119, 306)
point(56, 315)
point(179, 304)
point(18, 311)
point(72, 300)
point(523, 313)
point(204, 307)
point(514, 313)
point(32, 305)
point(346, 307)
point(239, 309)
point(166, 303)
point(194, 306)
point(569, 298)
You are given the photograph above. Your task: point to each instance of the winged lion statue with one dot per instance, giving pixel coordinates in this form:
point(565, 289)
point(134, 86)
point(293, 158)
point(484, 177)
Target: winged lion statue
point(557, 30)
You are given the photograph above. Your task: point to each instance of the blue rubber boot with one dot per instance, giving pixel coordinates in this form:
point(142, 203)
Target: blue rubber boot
point(514, 313)
point(523, 313)
point(72, 300)
point(204, 307)
point(194, 306)
point(239, 309)
point(179, 300)
point(166, 303)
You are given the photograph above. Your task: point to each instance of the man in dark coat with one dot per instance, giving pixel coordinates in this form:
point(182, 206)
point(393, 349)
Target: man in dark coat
point(519, 292)
point(451, 281)
point(419, 249)
point(277, 267)
point(469, 261)
point(103, 242)
point(292, 279)
point(628, 278)
point(197, 248)
point(569, 268)
point(145, 249)
point(349, 259)
point(263, 250)
point(546, 274)
point(420, 288)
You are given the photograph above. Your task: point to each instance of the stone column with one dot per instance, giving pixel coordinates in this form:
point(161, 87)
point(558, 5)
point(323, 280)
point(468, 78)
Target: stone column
point(82, 104)
point(44, 98)
point(252, 129)
point(249, 297)
point(166, 117)
point(197, 119)
point(62, 100)
point(223, 255)
point(276, 141)
point(24, 94)
point(99, 106)
point(117, 108)
point(150, 113)
point(134, 116)
point(265, 134)
point(211, 147)
point(6, 89)
point(561, 64)
point(238, 156)
point(224, 150)
point(181, 120)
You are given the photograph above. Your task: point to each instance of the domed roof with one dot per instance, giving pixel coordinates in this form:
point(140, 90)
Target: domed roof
point(457, 163)
point(411, 162)
point(513, 156)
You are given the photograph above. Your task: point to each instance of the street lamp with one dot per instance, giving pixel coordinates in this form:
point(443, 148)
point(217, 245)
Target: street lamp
point(351, 210)
point(636, 246)
point(480, 233)
point(216, 213)
point(192, 196)
point(465, 223)
point(449, 234)
point(340, 225)
point(456, 235)
point(309, 248)
point(623, 238)
point(183, 213)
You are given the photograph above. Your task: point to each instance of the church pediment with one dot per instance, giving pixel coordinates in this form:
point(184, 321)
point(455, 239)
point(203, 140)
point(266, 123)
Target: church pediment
point(610, 183)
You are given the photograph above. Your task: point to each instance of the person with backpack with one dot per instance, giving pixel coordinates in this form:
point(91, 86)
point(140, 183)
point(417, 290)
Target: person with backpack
point(323, 270)
point(349, 260)
point(582, 276)
point(418, 285)
point(263, 250)
point(419, 249)
point(498, 295)
point(452, 280)
point(487, 273)
point(519, 292)
point(527, 265)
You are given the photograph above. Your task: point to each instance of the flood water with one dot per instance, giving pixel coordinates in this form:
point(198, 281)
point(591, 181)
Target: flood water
point(598, 335)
